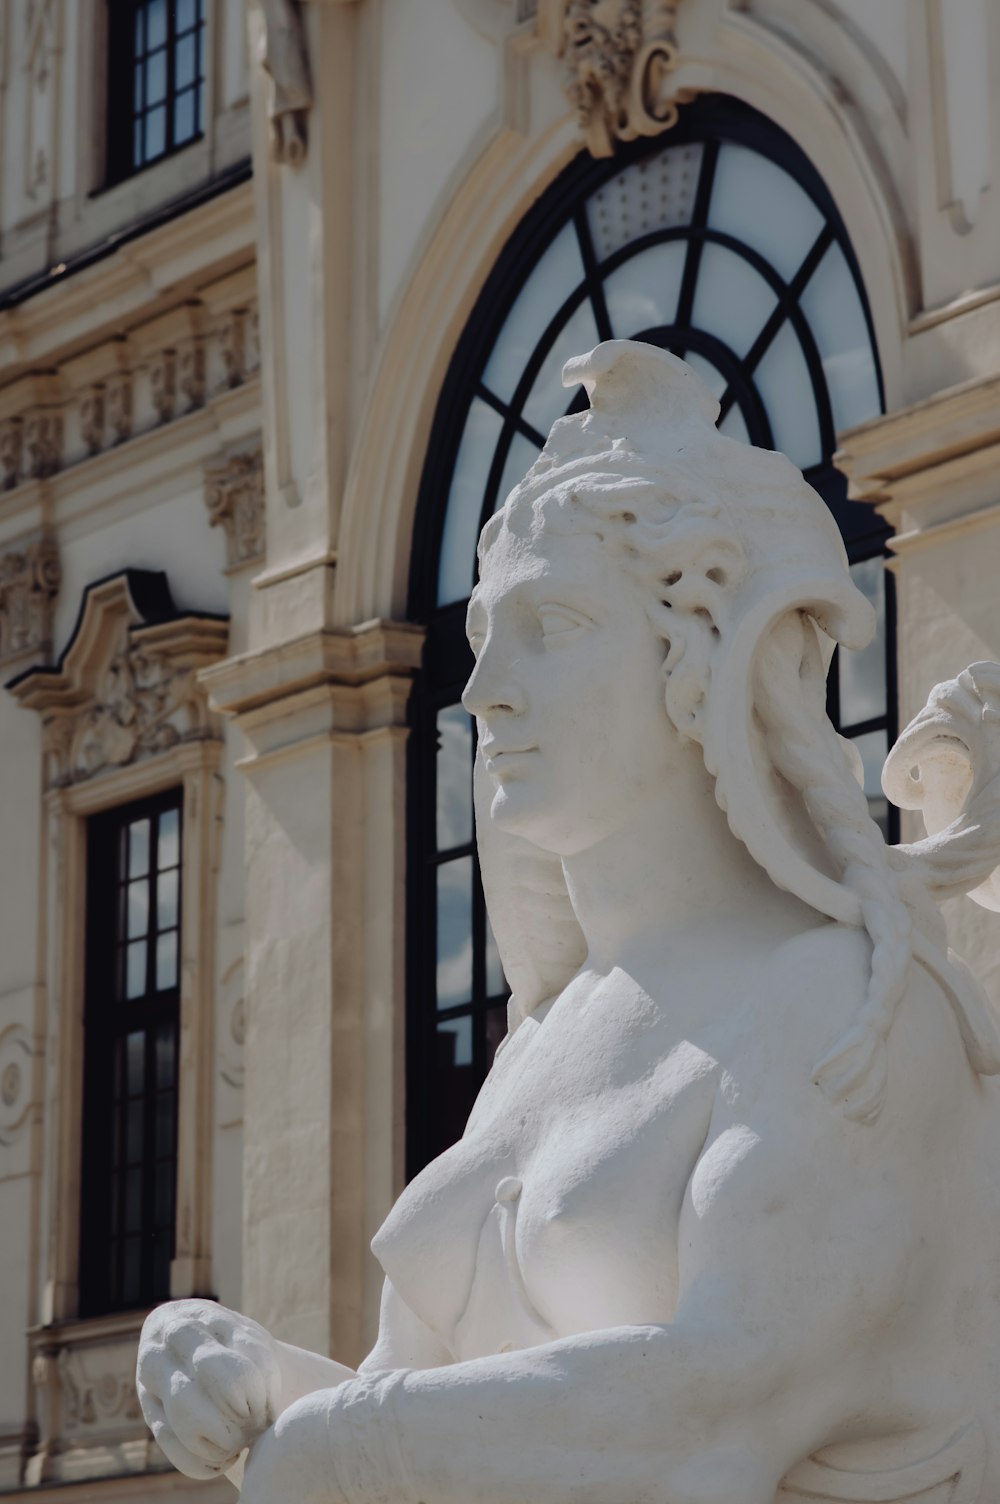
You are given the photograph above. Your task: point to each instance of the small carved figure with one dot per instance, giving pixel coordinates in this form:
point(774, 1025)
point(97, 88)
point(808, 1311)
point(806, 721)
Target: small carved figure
point(723, 1227)
point(283, 57)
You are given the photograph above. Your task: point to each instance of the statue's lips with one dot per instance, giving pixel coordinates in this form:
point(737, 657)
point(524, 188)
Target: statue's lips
point(499, 756)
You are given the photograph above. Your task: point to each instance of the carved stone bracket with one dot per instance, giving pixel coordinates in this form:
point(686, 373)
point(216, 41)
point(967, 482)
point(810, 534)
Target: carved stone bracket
point(126, 686)
point(618, 56)
point(283, 56)
point(234, 496)
point(29, 584)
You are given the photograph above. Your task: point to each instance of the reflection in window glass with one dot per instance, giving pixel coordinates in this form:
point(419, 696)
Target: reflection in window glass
point(454, 932)
point(548, 398)
point(784, 382)
point(862, 672)
point(655, 193)
point(465, 502)
point(454, 778)
point(841, 331)
point(733, 301)
point(553, 279)
point(455, 1041)
point(169, 847)
point(643, 292)
point(759, 203)
point(138, 848)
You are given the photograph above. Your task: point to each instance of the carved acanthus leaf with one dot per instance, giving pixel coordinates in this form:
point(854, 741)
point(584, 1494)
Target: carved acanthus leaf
point(618, 57)
point(29, 584)
point(234, 496)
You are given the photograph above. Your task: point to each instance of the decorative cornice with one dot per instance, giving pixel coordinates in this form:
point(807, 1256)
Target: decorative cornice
point(234, 496)
point(126, 686)
point(29, 583)
point(618, 56)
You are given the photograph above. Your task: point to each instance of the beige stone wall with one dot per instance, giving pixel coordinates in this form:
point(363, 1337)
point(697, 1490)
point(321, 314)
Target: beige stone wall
point(311, 316)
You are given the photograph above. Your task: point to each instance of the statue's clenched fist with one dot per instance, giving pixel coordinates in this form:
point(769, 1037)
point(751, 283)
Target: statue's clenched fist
point(209, 1383)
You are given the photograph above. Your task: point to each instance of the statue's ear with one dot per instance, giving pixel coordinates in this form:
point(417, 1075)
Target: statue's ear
point(540, 942)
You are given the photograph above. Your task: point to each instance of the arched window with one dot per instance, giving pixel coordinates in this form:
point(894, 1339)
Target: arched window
point(718, 242)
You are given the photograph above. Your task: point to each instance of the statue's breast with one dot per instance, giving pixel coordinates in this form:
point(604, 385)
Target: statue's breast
point(558, 1211)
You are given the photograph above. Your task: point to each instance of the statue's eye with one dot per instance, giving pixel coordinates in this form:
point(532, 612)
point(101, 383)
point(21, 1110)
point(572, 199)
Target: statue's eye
point(561, 622)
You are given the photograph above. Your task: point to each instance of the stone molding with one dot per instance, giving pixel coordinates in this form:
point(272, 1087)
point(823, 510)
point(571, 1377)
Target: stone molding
point(129, 384)
point(234, 496)
point(29, 584)
point(617, 56)
point(126, 687)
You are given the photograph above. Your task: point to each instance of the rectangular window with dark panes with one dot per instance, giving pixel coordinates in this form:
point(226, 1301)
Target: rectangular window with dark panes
point(131, 1029)
point(156, 81)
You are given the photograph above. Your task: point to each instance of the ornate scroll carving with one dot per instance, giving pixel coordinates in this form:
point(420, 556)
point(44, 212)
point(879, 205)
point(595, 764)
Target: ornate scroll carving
point(234, 496)
point(16, 1065)
point(29, 584)
point(283, 57)
point(618, 57)
point(127, 685)
point(11, 449)
point(163, 384)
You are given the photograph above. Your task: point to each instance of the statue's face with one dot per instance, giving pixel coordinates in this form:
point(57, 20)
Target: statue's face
point(567, 690)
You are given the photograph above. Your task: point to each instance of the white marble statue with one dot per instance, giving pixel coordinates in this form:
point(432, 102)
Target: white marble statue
point(725, 1222)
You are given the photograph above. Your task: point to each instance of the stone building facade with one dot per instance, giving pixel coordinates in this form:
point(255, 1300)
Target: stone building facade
point(284, 292)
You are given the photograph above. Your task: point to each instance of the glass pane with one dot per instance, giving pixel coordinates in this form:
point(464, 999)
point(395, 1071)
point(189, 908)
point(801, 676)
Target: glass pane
point(642, 293)
point(138, 848)
point(833, 308)
point(166, 1053)
point(137, 144)
point(732, 300)
point(454, 1042)
point(454, 777)
point(161, 1263)
point(496, 982)
point(521, 455)
point(454, 932)
point(465, 500)
point(164, 1194)
point(553, 279)
point(130, 1271)
point(756, 201)
point(710, 375)
point(654, 194)
point(156, 23)
point(156, 133)
point(167, 889)
point(874, 749)
point(784, 383)
point(133, 1200)
point(168, 851)
point(133, 1132)
point(156, 78)
point(186, 14)
point(548, 398)
point(862, 673)
point(140, 17)
point(184, 61)
point(135, 969)
point(135, 1056)
point(734, 424)
point(166, 1134)
point(137, 90)
point(166, 960)
point(184, 121)
point(138, 908)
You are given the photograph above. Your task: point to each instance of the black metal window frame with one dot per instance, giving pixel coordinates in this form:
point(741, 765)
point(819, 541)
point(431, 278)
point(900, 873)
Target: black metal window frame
point(135, 102)
point(710, 121)
point(131, 1055)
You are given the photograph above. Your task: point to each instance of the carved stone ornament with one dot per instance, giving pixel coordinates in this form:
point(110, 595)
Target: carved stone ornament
point(234, 496)
point(724, 1225)
point(126, 686)
point(283, 56)
point(16, 1085)
point(29, 584)
point(618, 56)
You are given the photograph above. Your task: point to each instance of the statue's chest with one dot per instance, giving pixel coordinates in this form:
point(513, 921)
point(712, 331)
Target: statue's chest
point(558, 1210)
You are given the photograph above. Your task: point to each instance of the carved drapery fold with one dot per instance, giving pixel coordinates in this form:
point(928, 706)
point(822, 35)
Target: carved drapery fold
point(234, 496)
point(126, 687)
point(618, 56)
point(284, 58)
point(29, 584)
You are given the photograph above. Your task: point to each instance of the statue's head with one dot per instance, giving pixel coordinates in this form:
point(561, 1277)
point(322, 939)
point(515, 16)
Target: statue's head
point(702, 585)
